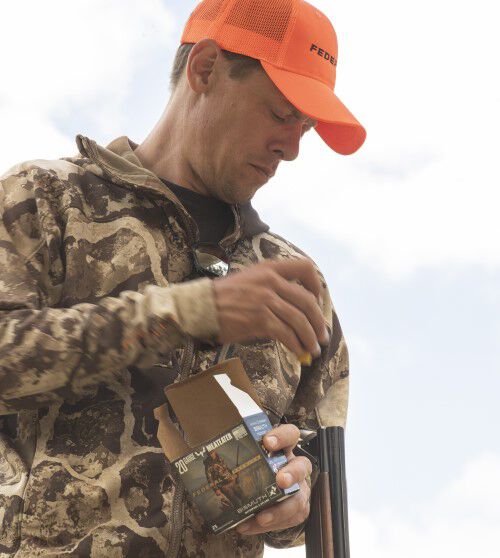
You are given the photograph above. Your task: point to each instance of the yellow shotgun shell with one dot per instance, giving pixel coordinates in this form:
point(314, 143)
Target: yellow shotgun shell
point(305, 359)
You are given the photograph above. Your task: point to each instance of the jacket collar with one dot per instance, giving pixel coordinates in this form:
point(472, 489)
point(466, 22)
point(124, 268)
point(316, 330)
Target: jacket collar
point(118, 162)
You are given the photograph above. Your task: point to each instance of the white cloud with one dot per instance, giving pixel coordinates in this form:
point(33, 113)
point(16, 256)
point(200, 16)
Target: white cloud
point(60, 58)
point(461, 521)
point(423, 190)
point(30, 134)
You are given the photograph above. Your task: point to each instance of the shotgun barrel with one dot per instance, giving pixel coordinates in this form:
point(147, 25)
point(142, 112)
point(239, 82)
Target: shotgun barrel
point(327, 528)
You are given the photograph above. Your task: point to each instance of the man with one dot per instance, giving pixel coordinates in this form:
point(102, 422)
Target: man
point(109, 292)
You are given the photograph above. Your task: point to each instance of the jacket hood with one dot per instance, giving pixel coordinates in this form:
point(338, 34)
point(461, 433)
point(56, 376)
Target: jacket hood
point(118, 163)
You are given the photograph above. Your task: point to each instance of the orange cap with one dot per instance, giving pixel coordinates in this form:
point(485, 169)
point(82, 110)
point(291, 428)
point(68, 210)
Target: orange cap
point(297, 47)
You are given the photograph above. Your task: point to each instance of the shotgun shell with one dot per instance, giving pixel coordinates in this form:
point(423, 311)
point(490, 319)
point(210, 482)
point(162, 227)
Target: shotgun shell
point(305, 359)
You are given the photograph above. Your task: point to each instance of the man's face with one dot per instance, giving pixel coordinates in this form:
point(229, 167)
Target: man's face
point(245, 127)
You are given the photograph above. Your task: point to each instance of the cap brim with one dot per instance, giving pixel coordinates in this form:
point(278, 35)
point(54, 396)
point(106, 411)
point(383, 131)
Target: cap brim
point(336, 125)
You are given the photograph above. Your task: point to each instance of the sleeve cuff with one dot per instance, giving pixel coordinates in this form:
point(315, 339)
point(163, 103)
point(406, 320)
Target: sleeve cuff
point(191, 304)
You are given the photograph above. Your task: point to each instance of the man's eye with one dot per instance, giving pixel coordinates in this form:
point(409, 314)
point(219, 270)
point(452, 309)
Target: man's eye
point(278, 117)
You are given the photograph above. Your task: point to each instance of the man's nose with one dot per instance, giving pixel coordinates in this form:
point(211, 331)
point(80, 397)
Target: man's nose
point(288, 145)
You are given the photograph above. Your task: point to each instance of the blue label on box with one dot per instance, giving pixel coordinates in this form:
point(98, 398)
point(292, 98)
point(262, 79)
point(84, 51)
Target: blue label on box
point(258, 425)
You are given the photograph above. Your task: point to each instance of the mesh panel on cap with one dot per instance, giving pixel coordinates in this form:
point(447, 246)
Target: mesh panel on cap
point(209, 10)
point(258, 28)
point(203, 13)
point(269, 18)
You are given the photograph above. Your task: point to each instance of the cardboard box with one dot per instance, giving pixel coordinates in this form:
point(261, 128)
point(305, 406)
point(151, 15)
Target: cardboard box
point(221, 461)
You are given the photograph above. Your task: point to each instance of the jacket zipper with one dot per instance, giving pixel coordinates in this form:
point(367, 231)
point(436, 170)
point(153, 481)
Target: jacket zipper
point(178, 504)
point(178, 501)
point(23, 497)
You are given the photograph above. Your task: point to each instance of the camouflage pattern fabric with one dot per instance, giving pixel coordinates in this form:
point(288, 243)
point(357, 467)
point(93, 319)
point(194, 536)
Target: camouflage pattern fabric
point(99, 310)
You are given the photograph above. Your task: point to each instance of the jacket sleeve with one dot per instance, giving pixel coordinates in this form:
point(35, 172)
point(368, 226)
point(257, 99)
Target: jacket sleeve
point(48, 354)
point(320, 400)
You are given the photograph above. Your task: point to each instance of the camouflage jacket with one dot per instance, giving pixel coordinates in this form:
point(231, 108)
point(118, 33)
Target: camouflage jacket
point(99, 310)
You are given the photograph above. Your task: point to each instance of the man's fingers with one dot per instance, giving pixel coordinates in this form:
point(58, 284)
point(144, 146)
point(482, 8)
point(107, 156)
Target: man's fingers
point(265, 301)
point(290, 512)
point(307, 321)
point(281, 331)
point(301, 270)
point(296, 471)
point(284, 437)
point(299, 308)
point(280, 515)
point(292, 320)
point(293, 510)
point(305, 301)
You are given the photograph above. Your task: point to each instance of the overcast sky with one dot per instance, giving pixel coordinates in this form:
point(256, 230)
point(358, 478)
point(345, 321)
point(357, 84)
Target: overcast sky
point(406, 230)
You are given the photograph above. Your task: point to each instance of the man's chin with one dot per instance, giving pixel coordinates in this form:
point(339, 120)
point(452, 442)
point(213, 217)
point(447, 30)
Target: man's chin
point(240, 200)
point(242, 194)
point(249, 195)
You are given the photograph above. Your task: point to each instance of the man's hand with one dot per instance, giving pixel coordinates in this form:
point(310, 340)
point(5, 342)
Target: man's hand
point(264, 301)
point(295, 509)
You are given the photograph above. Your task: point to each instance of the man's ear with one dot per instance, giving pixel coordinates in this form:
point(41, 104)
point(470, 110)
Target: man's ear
point(202, 64)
